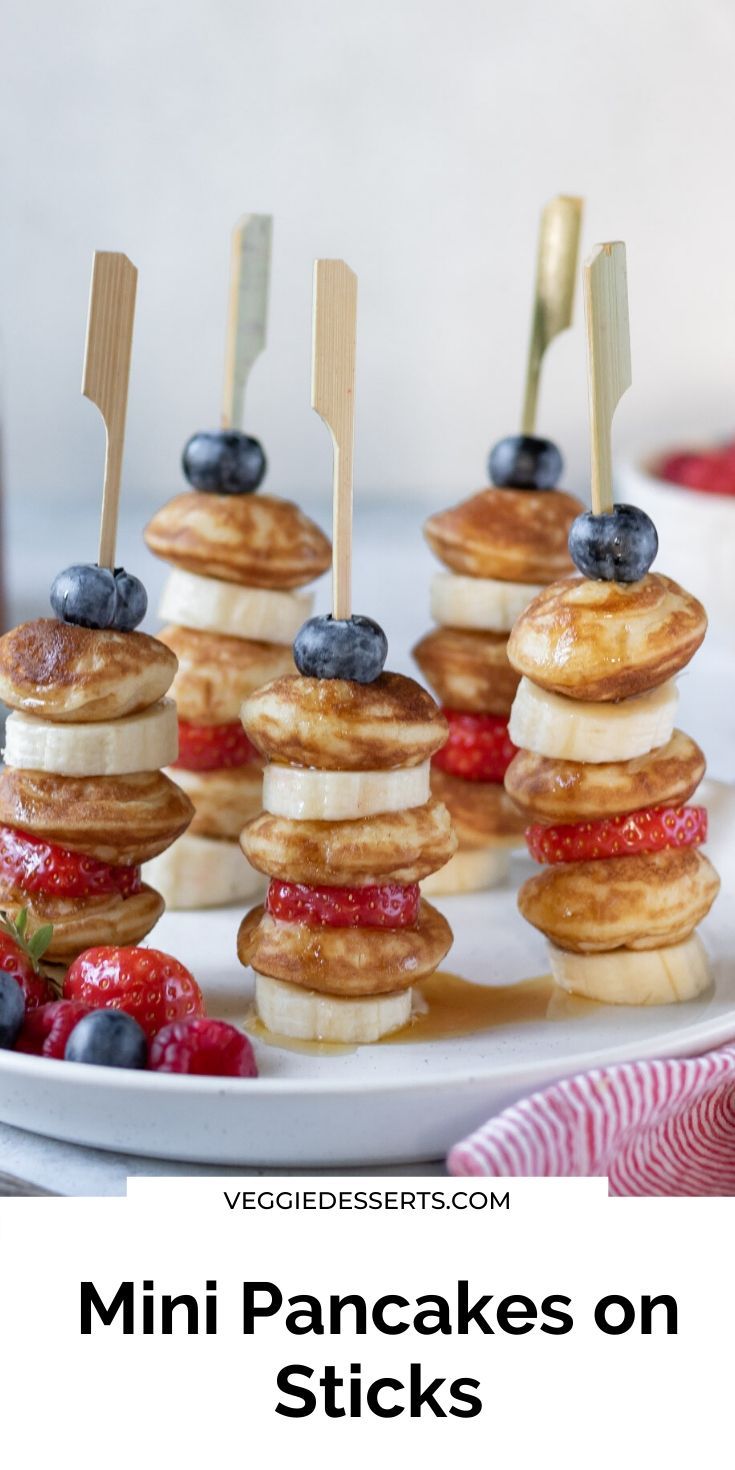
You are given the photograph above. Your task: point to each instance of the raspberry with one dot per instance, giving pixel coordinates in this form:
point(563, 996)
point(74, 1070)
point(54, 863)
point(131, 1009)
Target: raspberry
point(202, 1048)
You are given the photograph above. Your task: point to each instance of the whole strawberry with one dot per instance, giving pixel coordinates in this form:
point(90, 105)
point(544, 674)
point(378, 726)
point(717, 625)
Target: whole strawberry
point(20, 954)
point(202, 1048)
point(46, 1029)
point(149, 985)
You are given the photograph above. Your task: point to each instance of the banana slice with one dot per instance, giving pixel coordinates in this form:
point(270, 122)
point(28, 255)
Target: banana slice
point(287, 1010)
point(237, 612)
point(470, 870)
point(203, 872)
point(580, 730)
point(143, 742)
point(340, 796)
point(650, 977)
point(478, 602)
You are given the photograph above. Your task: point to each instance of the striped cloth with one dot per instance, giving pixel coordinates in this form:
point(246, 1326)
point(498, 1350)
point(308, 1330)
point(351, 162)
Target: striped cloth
point(654, 1128)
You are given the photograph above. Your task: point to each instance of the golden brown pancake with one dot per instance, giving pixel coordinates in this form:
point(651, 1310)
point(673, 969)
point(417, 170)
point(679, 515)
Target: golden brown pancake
point(557, 791)
point(254, 540)
point(344, 961)
point(607, 640)
point(82, 923)
point(57, 671)
point(339, 725)
point(481, 812)
point(397, 847)
point(468, 670)
point(116, 819)
point(223, 800)
point(511, 535)
point(640, 901)
point(217, 673)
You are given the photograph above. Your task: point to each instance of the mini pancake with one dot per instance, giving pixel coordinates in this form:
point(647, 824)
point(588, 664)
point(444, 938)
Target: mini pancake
point(81, 924)
point(344, 961)
point(481, 811)
point(223, 800)
point(116, 819)
point(340, 725)
point(217, 673)
point(397, 847)
point(640, 901)
point(557, 791)
point(607, 640)
point(60, 672)
point(468, 670)
point(254, 540)
point(513, 535)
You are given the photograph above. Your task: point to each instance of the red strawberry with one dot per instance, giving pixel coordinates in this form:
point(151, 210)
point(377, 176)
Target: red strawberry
point(46, 1030)
point(710, 470)
point(149, 985)
point(380, 906)
point(649, 830)
point(19, 956)
point(213, 747)
point(479, 747)
point(31, 865)
point(203, 1048)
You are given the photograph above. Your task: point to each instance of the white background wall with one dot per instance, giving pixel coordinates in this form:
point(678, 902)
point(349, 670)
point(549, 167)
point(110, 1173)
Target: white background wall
point(418, 139)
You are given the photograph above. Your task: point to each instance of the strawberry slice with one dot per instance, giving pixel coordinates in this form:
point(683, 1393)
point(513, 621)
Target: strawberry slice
point(479, 747)
point(712, 471)
point(651, 829)
point(380, 906)
point(149, 985)
point(213, 747)
point(30, 865)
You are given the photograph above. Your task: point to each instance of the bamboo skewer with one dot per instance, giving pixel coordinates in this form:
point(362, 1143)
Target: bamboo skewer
point(247, 312)
point(556, 274)
point(106, 374)
point(333, 397)
point(608, 354)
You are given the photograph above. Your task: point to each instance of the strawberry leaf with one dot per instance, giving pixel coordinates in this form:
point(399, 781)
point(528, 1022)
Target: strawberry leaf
point(32, 947)
point(40, 941)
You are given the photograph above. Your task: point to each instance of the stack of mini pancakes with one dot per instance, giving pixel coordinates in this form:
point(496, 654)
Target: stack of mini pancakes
point(499, 546)
point(605, 779)
point(234, 605)
point(348, 831)
point(82, 800)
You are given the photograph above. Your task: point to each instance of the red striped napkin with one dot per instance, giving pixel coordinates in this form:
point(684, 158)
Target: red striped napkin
point(654, 1128)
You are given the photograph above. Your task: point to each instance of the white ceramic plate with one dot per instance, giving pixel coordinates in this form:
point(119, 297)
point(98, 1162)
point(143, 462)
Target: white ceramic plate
point(380, 1104)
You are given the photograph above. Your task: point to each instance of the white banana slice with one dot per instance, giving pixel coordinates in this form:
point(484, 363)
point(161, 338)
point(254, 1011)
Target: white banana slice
point(469, 871)
point(203, 872)
point(143, 742)
point(641, 977)
point(307, 795)
point(237, 612)
point(288, 1011)
point(580, 730)
point(481, 603)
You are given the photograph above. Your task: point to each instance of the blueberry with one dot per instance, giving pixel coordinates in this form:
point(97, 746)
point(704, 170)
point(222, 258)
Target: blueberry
point(12, 1009)
point(85, 595)
point(347, 648)
point(132, 601)
point(107, 1039)
point(619, 547)
point(224, 461)
point(523, 462)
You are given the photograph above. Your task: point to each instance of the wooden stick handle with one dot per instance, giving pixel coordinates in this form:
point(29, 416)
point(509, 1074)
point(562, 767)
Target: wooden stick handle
point(333, 397)
point(556, 275)
point(106, 374)
point(608, 358)
point(247, 312)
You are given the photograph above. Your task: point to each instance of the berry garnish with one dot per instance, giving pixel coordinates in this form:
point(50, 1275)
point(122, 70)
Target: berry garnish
point(46, 1030)
point(20, 953)
point(107, 1039)
point(32, 865)
point(651, 829)
point(131, 602)
point(479, 747)
point(341, 648)
point(523, 462)
point(202, 1048)
point(618, 547)
point(94, 597)
point(12, 1009)
point(149, 985)
point(224, 462)
point(712, 471)
point(213, 747)
point(379, 906)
